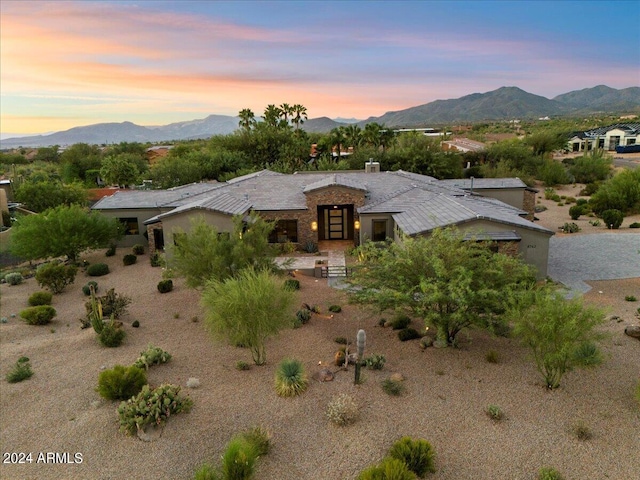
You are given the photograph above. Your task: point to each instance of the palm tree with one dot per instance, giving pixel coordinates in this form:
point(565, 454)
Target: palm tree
point(300, 114)
point(336, 139)
point(371, 134)
point(387, 138)
point(353, 135)
point(285, 111)
point(272, 115)
point(247, 119)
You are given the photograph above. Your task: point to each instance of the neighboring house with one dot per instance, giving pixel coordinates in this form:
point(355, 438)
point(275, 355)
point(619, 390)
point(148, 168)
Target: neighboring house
point(462, 145)
point(355, 206)
point(606, 138)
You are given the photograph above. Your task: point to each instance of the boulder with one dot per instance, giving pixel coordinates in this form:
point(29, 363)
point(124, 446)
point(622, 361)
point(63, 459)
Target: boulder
point(396, 377)
point(633, 331)
point(324, 375)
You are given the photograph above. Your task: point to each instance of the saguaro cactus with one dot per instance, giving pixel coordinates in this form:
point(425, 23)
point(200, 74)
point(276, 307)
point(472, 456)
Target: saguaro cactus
point(361, 341)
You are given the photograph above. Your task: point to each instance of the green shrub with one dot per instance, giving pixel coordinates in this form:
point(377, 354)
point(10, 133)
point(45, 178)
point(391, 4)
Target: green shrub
point(40, 298)
point(335, 308)
point(260, 438)
point(408, 334)
point(575, 212)
point(375, 361)
point(156, 260)
point(400, 322)
point(594, 223)
point(382, 322)
point(121, 383)
point(417, 455)
point(393, 387)
point(111, 335)
point(569, 228)
point(238, 460)
point(152, 356)
point(152, 406)
point(388, 469)
point(582, 202)
point(111, 251)
point(549, 193)
point(570, 200)
point(612, 218)
point(589, 189)
point(113, 304)
point(292, 284)
point(548, 473)
point(129, 259)
point(21, 371)
point(86, 289)
point(135, 324)
point(291, 379)
point(207, 472)
point(14, 278)
point(303, 315)
point(341, 340)
point(630, 298)
point(587, 354)
point(242, 365)
point(492, 356)
point(97, 269)
point(635, 225)
point(138, 249)
point(494, 412)
point(40, 315)
point(342, 410)
point(165, 286)
point(56, 276)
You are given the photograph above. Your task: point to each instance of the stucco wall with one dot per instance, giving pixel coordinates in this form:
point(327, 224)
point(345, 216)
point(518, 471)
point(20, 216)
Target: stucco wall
point(510, 196)
point(141, 214)
point(533, 248)
point(366, 225)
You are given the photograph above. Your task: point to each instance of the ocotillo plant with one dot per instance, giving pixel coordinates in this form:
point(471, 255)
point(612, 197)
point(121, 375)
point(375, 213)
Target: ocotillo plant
point(361, 340)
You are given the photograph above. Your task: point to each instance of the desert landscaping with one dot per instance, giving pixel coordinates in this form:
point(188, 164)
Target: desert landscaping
point(446, 390)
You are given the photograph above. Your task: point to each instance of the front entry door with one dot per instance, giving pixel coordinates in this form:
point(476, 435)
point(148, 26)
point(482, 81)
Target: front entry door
point(335, 222)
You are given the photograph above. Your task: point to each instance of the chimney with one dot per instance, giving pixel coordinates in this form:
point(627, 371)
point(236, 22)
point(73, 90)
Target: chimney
point(371, 166)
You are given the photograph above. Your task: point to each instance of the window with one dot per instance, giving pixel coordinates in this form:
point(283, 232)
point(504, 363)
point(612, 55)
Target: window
point(379, 230)
point(130, 225)
point(284, 231)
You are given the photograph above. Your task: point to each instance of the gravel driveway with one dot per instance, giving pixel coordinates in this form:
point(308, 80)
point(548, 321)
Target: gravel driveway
point(604, 256)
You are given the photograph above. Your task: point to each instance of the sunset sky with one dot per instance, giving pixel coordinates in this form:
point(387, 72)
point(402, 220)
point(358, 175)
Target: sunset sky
point(66, 64)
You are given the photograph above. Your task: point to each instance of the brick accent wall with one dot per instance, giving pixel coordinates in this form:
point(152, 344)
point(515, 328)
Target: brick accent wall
point(529, 203)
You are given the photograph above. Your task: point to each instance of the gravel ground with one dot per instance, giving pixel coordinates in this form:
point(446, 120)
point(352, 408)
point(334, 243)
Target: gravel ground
point(57, 410)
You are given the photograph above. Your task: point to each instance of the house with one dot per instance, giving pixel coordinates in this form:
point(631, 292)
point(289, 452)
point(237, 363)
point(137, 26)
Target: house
point(606, 138)
point(349, 206)
point(462, 145)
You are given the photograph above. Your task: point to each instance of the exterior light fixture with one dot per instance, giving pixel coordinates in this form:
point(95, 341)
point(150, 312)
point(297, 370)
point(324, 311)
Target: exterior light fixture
point(356, 224)
point(314, 226)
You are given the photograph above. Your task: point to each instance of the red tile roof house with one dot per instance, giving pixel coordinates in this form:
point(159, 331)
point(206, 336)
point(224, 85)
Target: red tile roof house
point(343, 206)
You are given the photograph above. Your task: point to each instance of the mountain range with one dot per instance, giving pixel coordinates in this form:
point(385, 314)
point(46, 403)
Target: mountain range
point(505, 103)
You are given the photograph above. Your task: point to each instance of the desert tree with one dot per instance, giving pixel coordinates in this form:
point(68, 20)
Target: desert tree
point(248, 308)
point(450, 282)
point(204, 253)
point(561, 333)
point(62, 231)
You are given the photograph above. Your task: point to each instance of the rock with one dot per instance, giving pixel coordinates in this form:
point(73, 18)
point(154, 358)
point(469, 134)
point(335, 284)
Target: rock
point(324, 375)
point(396, 377)
point(614, 318)
point(426, 342)
point(353, 358)
point(633, 331)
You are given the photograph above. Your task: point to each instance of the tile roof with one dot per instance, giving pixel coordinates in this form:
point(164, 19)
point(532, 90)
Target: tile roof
point(419, 203)
point(481, 183)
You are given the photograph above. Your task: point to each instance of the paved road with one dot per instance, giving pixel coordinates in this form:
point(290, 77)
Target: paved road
point(603, 256)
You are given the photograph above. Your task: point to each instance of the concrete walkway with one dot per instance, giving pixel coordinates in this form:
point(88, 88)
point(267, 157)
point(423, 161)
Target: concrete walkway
point(603, 256)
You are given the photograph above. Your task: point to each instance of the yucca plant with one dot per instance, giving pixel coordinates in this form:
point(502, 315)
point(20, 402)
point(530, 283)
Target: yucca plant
point(291, 379)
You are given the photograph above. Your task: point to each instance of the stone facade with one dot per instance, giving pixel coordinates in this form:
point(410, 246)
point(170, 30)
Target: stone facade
point(529, 203)
point(328, 196)
point(151, 233)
